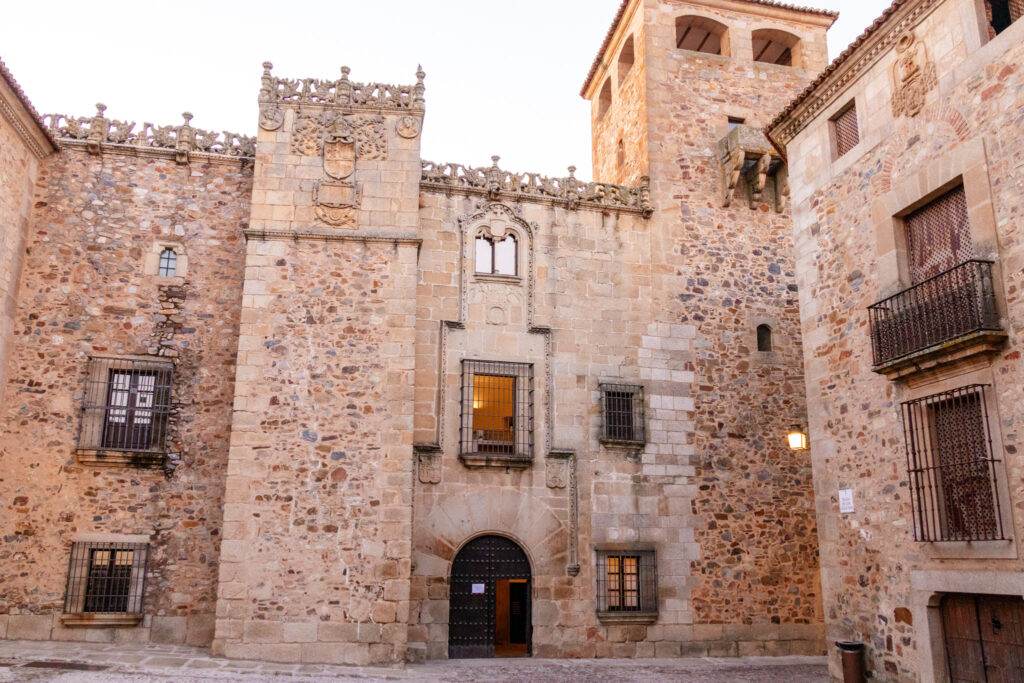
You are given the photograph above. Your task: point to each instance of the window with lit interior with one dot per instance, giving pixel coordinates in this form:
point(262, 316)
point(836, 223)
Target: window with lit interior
point(497, 410)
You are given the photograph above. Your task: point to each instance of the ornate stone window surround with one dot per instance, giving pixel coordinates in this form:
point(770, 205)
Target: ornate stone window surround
point(151, 264)
point(966, 165)
point(973, 549)
point(927, 588)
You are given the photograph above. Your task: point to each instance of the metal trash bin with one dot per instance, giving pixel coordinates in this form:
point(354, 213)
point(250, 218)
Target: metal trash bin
point(852, 654)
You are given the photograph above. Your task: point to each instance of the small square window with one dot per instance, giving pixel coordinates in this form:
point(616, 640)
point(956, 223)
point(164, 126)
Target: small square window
point(623, 413)
point(627, 583)
point(845, 131)
point(106, 578)
point(127, 405)
point(168, 263)
point(497, 410)
point(734, 121)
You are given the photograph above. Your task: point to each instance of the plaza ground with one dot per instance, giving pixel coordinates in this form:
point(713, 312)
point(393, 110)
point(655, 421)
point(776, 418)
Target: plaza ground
point(76, 662)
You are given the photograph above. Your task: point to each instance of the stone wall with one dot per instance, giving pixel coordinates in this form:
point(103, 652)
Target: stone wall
point(721, 272)
point(881, 586)
point(86, 292)
point(21, 146)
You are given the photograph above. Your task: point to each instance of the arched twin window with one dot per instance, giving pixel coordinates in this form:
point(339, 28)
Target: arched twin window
point(498, 257)
point(168, 266)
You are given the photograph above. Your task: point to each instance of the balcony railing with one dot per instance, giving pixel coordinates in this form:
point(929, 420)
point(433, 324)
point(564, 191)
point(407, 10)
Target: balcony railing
point(940, 309)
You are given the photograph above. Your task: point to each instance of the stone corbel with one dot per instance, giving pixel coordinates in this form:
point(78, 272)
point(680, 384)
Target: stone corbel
point(747, 154)
point(733, 158)
point(757, 178)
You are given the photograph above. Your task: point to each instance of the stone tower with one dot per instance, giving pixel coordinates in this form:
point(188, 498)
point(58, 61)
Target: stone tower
point(679, 92)
point(317, 523)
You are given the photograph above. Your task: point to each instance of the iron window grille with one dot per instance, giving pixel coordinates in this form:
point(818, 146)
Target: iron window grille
point(497, 409)
point(106, 578)
point(497, 257)
point(627, 582)
point(938, 236)
point(168, 263)
point(1001, 13)
point(845, 130)
point(127, 405)
point(953, 471)
point(623, 408)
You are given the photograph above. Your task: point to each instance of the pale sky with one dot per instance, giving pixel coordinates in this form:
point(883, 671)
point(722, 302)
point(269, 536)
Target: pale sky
point(502, 77)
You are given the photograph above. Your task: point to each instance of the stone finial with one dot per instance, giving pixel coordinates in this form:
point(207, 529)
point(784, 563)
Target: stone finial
point(98, 129)
point(184, 140)
point(345, 71)
point(418, 89)
point(572, 171)
point(267, 84)
point(494, 174)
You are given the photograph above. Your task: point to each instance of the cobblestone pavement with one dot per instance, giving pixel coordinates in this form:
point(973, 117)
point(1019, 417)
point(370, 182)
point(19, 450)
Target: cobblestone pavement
point(30, 661)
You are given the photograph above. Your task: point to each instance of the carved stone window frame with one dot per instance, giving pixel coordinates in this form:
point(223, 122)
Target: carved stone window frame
point(966, 165)
point(1005, 549)
point(484, 231)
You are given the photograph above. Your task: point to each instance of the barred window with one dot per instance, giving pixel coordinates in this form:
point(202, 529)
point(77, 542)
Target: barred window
point(623, 412)
point(127, 404)
point(845, 130)
point(106, 577)
point(627, 582)
point(938, 236)
point(497, 409)
point(498, 257)
point(168, 263)
point(953, 471)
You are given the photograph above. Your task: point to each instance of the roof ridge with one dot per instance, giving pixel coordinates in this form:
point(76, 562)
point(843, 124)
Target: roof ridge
point(6, 74)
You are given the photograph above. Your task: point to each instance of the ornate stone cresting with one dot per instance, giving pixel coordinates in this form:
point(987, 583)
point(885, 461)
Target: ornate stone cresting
point(184, 140)
point(913, 75)
point(747, 156)
point(497, 184)
point(343, 92)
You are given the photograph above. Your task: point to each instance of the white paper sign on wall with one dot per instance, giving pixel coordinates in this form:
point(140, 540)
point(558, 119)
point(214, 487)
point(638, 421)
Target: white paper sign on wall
point(845, 500)
point(478, 588)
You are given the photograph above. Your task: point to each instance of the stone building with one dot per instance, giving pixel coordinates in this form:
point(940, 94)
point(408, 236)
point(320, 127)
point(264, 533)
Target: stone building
point(906, 168)
point(305, 396)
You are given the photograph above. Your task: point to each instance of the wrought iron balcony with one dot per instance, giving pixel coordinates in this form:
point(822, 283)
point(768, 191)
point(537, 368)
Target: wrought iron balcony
point(946, 308)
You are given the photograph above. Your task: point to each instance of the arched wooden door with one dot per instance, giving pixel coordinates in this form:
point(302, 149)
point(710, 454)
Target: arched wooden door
point(489, 600)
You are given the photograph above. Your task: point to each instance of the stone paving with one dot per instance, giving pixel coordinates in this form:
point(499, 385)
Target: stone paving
point(68, 662)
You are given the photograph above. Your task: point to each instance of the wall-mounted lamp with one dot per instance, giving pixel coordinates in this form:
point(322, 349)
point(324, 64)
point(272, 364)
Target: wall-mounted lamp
point(797, 439)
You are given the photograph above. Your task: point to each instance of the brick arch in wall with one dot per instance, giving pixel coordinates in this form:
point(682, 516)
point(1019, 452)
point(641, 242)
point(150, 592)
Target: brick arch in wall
point(514, 514)
point(936, 128)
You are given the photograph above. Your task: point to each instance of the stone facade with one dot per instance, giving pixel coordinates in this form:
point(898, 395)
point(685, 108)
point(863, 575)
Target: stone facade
point(938, 101)
point(324, 470)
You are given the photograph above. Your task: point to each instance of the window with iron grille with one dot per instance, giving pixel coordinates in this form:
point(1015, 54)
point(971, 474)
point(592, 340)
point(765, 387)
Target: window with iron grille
point(938, 236)
point(497, 410)
point(623, 413)
point(168, 265)
point(845, 130)
point(106, 578)
point(954, 474)
point(127, 404)
point(627, 583)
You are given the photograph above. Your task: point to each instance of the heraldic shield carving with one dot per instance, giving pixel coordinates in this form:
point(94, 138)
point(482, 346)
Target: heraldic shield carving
point(336, 203)
point(339, 156)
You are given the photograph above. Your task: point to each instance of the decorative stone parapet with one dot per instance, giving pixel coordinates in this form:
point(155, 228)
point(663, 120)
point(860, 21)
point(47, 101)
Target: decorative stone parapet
point(183, 140)
point(341, 92)
point(496, 183)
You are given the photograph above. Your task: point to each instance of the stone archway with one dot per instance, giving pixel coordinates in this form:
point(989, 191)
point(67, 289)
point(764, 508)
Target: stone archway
point(489, 600)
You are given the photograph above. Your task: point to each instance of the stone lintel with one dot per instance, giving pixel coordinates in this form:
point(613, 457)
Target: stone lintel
point(101, 620)
point(515, 462)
